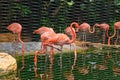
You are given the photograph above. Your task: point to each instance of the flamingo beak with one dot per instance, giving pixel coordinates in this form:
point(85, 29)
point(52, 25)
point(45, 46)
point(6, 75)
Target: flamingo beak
point(77, 29)
point(34, 32)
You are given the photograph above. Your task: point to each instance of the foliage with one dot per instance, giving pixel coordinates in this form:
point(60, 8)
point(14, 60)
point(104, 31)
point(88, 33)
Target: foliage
point(58, 14)
point(25, 10)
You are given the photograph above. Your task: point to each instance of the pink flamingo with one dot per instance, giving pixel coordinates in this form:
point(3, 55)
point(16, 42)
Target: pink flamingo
point(62, 39)
point(48, 33)
point(105, 27)
point(85, 27)
point(16, 28)
point(45, 33)
point(116, 26)
point(58, 39)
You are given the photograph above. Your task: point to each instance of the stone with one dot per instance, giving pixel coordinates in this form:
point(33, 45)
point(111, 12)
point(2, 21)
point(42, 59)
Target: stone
point(7, 63)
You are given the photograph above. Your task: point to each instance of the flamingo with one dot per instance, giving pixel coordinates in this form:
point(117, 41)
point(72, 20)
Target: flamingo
point(62, 39)
point(49, 39)
point(116, 26)
point(45, 33)
point(48, 33)
point(105, 27)
point(59, 39)
point(85, 27)
point(16, 28)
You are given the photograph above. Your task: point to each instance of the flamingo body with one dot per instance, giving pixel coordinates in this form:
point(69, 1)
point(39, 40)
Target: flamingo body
point(42, 30)
point(85, 27)
point(103, 26)
point(117, 25)
point(15, 28)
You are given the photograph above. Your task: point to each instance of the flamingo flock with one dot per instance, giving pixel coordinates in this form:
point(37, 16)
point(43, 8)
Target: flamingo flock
point(50, 38)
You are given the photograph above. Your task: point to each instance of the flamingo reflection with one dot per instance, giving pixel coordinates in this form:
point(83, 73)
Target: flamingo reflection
point(71, 75)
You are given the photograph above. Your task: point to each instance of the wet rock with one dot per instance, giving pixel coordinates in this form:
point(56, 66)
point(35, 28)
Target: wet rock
point(8, 64)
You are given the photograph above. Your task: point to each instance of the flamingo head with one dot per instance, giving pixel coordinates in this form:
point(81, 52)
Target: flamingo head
point(42, 30)
point(97, 25)
point(76, 27)
point(68, 31)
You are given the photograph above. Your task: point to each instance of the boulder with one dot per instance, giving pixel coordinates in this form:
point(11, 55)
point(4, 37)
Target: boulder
point(7, 63)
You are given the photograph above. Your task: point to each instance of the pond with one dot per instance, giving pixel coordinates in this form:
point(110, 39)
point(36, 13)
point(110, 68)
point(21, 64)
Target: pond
point(86, 66)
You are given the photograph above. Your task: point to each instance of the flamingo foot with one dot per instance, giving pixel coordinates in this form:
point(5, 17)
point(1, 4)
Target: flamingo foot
point(84, 48)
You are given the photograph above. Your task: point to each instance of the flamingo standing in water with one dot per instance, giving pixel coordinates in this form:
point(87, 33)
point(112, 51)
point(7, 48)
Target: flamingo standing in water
point(105, 27)
point(85, 27)
point(57, 39)
point(16, 28)
point(61, 39)
point(45, 33)
point(116, 26)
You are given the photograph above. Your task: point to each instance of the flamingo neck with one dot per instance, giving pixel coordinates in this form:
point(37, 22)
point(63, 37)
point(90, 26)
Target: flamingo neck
point(109, 37)
point(93, 30)
point(114, 32)
point(73, 33)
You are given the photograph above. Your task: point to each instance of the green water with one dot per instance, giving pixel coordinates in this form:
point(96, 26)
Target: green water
point(87, 66)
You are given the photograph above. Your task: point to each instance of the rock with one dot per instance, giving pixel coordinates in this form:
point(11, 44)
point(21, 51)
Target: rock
point(6, 37)
point(7, 63)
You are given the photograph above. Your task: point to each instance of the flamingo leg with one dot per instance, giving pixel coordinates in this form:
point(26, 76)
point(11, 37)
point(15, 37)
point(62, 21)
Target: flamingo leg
point(115, 42)
point(15, 44)
point(103, 37)
point(84, 40)
point(35, 63)
point(75, 56)
point(51, 55)
point(43, 48)
point(109, 41)
point(61, 58)
point(19, 39)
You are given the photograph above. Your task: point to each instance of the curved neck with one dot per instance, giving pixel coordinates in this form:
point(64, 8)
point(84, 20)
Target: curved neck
point(73, 33)
point(114, 32)
point(75, 23)
point(90, 30)
point(109, 37)
point(107, 33)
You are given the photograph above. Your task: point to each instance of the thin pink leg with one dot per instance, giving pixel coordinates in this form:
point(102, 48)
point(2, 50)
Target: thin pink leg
point(35, 63)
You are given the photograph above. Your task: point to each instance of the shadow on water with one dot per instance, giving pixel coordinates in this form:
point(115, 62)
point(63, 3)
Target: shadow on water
point(86, 66)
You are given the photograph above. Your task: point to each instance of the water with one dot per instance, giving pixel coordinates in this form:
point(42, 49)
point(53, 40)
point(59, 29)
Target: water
point(87, 66)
